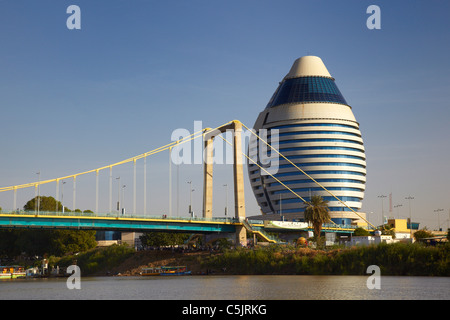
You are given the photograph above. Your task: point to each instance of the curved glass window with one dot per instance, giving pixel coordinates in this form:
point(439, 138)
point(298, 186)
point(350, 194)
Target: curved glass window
point(295, 173)
point(325, 156)
point(317, 132)
point(314, 125)
point(306, 156)
point(332, 209)
point(296, 200)
point(318, 189)
point(309, 164)
point(307, 89)
point(318, 148)
point(318, 140)
point(318, 180)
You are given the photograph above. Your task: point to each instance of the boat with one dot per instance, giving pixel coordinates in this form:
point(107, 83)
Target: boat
point(12, 272)
point(175, 271)
point(156, 271)
point(166, 271)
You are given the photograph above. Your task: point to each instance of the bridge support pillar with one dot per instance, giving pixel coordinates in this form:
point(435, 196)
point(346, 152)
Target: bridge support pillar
point(241, 236)
point(238, 175)
point(208, 178)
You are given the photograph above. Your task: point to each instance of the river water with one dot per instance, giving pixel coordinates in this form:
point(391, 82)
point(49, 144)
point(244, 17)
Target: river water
point(275, 287)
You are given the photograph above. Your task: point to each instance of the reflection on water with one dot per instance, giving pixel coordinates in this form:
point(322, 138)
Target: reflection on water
point(229, 287)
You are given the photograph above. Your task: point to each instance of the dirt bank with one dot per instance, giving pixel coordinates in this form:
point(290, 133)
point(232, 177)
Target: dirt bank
point(156, 258)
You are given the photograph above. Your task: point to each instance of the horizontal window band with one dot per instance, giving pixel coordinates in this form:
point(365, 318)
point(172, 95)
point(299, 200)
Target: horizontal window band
point(319, 148)
point(323, 181)
point(297, 200)
point(294, 173)
point(292, 133)
point(310, 164)
point(303, 125)
point(317, 189)
point(318, 140)
point(331, 209)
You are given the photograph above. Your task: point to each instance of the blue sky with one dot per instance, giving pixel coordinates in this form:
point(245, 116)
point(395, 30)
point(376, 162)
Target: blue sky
point(74, 100)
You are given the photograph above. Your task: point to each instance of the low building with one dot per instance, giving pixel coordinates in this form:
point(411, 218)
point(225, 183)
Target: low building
point(367, 240)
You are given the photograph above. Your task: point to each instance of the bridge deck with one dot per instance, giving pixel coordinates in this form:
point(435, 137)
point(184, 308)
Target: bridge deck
point(91, 221)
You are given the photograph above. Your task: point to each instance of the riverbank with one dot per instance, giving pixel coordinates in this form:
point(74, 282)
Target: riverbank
point(393, 259)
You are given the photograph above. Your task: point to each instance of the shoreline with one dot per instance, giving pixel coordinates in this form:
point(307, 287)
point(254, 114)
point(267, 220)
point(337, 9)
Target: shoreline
point(395, 260)
point(392, 259)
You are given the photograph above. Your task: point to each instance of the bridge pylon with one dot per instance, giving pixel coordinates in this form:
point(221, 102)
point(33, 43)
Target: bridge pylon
point(235, 127)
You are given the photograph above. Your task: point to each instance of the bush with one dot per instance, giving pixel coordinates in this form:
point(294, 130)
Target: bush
point(393, 259)
point(96, 260)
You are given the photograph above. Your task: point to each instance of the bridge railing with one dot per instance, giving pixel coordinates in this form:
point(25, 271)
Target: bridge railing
point(117, 215)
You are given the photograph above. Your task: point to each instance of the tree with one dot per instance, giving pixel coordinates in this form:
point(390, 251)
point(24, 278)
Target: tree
point(420, 234)
point(45, 204)
point(387, 230)
point(72, 241)
point(361, 232)
point(317, 213)
point(159, 239)
point(42, 241)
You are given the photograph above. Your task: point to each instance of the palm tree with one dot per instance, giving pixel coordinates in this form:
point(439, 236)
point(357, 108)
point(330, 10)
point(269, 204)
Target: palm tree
point(317, 213)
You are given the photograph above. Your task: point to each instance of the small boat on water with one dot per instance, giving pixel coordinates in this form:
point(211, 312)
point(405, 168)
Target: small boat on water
point(12, 272)
point(166, 271)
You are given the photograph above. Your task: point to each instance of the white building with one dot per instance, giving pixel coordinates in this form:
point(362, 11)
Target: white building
point(319, 133)
point(367, 240)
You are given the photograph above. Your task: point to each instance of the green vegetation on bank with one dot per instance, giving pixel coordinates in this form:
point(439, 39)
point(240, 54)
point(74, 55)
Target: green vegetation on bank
point(95, 261)
point(40, 242)
point(393, 259)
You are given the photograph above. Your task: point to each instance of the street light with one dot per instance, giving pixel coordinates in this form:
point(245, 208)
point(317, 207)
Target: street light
point(39, 192)
point(226, 199)
point(62, 195)
point(398, 206)
point(118, 195)
point(382, 208)
point(123, 199)
point(368, 219)
point(439, 223)
point(190, 198)
point(409, 198)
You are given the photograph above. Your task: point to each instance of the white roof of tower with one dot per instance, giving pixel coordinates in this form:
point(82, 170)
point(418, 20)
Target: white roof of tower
point(308, 66)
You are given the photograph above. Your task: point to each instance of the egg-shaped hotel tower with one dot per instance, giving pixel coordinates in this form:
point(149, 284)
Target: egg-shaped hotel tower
point(318, 132)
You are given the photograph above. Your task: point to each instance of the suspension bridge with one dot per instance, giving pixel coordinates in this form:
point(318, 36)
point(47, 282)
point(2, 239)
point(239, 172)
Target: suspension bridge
point(132, 221)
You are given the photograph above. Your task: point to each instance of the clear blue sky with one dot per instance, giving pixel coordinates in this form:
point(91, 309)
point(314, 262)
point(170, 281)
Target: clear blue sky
point(74, 100)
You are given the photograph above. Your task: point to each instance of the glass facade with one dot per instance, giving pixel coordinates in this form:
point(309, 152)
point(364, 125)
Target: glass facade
point(320, 137)
point(307, 89)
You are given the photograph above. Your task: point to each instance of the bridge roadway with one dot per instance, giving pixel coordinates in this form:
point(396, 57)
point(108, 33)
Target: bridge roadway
point(134, 223)
point(126, 223)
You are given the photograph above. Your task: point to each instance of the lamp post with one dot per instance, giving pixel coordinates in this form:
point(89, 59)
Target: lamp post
point(39, 192)
point(409, 198)
point(190, 199)
point(123, 198)
point(62, 195)
point(439, 223)
point(398, 206)
point(118, 195)
point(226, 199)
point(382, 208)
